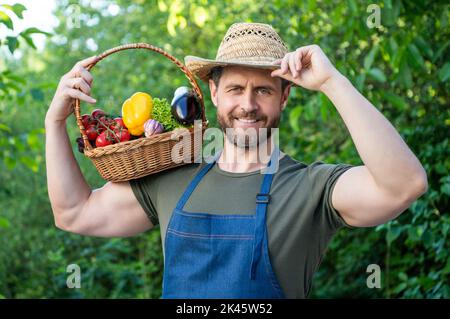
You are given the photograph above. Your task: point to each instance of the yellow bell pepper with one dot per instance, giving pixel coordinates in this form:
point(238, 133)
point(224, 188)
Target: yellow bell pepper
point(136, 111)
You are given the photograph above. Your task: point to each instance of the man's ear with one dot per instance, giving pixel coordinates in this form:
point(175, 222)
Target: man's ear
point(285, 96)
point(213, 91)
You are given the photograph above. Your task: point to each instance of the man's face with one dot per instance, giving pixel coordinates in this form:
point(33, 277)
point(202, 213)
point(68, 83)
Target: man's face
point(247, 100)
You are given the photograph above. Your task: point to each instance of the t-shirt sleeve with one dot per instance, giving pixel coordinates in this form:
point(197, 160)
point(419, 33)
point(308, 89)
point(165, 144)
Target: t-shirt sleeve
point(145, 189)
point(326, 178)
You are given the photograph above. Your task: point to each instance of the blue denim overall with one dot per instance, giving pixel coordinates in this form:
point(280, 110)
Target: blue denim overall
point(219, 256)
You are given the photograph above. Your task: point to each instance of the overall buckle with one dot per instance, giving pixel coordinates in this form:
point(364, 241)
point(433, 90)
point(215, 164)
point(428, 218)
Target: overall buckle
point(262, 198)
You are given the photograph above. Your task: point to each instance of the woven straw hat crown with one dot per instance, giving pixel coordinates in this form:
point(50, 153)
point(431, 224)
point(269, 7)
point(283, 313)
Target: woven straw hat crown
point(246, 44)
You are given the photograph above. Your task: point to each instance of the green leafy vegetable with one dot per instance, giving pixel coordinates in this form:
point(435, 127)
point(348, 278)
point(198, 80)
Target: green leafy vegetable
point(162, 113)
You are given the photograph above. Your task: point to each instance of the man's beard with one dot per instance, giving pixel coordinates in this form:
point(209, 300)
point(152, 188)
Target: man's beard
point(249, 138)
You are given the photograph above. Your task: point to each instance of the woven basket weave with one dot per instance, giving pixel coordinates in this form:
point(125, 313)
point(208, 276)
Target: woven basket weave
point(147, 155)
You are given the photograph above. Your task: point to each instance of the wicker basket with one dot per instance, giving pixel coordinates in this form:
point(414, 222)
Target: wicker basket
point(147, 155)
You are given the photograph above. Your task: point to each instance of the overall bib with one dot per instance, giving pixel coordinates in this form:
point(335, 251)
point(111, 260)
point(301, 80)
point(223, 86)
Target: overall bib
point(219, 256)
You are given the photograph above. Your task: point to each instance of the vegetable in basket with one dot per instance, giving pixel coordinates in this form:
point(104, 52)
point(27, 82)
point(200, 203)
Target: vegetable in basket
point(162, 113)
point(185, 106)
point(152, 127)
point(135, 111)
point(102, 129)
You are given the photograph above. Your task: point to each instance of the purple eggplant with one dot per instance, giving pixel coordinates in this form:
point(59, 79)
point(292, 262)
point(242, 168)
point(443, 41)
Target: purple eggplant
point(185, 106)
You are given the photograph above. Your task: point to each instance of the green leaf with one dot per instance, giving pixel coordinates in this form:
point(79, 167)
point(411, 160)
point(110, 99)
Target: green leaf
point(28, 40)
point(424, 46)
point(294, 117)
point(16, 78)
point(6, 20)
point(396, 100)
point(445, 189)
point(393, 234)
point(415, 57)
point(402, 276)
point(359, 82)
point(400, 288)
point(12, 44)
point(4, 127)
point(19, 9)
point(368, 60)
point(441, 50)
point(444, 72)
point(353, 7)
point(16, 8)
point(4, 223)
point(377, 74)
point(393, 52)
point(34, 31)
point(404, 76)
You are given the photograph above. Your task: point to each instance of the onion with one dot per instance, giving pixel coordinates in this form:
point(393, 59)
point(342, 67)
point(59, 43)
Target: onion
point(152, 127)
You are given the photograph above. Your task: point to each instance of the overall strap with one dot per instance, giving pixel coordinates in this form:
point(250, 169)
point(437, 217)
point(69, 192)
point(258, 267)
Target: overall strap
point(193, 184)
point(262, 200)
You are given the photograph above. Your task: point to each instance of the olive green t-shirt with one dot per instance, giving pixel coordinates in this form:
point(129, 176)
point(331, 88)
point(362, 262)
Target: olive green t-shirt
point(300, 217)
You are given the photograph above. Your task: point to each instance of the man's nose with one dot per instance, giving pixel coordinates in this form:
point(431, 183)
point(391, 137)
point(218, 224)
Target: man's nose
point(249, 102)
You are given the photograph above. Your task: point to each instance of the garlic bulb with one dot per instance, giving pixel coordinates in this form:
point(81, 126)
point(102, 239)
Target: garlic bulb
point(152, 127)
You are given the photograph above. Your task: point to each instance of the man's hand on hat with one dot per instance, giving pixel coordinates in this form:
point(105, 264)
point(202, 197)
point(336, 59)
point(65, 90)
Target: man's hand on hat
point(307, 67)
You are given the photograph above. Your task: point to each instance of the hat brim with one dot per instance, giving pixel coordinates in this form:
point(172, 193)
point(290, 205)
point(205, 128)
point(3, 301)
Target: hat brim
point(201, 67)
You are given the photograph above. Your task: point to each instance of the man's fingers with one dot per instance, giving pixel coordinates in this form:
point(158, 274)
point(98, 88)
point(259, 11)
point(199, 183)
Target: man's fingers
point(277, 61)
point(84, 63)
point(79, 67)
point(276, 73)
point(279, 73)
point(79, 83)
point(77, 94)
point(298, 61)
point(292, 66)
point(86, 75)
point(284, 64)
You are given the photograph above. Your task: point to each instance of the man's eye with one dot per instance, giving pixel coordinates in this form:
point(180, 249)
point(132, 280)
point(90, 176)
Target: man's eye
point(235, 89)
point(263, 91)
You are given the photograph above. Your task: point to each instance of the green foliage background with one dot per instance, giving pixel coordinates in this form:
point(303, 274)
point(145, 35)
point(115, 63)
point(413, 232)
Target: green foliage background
point(402, 68)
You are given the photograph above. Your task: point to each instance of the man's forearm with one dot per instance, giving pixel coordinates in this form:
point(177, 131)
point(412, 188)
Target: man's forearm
point(390, 161)
point(67, 187)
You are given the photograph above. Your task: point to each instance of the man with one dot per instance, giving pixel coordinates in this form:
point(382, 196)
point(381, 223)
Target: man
point(228, 230)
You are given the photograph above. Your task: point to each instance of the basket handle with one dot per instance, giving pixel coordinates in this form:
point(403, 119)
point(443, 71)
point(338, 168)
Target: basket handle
point(146, 46)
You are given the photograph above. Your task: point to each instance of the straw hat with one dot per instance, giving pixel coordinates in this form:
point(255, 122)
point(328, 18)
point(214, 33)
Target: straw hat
point(246, 44)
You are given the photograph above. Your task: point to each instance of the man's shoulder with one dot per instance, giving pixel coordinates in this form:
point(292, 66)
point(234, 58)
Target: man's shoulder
point(316, 170)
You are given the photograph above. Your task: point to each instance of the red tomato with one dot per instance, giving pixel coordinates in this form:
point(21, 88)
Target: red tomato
point(103, 119)
point(85, 119)
point(91, 133)
point(97, 113)
point(103, 122)
point(102, 140)
point(123, 135)
point(119, 122)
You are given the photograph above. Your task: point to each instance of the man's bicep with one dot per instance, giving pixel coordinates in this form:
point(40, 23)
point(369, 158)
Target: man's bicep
point(360, 202)
point(113, 211)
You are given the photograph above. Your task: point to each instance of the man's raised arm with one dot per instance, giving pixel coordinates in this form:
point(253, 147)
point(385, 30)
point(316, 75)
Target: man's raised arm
point(110, 211)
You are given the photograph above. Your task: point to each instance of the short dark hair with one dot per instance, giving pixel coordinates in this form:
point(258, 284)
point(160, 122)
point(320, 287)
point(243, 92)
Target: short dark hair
point(216, 73)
